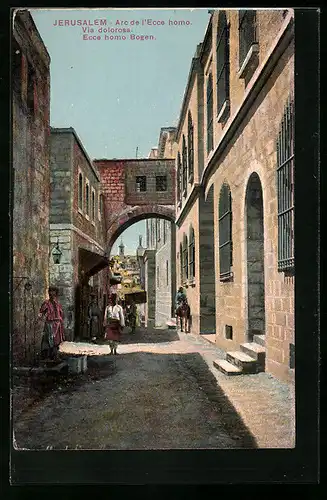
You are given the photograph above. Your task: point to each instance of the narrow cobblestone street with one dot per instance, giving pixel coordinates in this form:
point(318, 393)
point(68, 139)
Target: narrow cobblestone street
point(160, 392)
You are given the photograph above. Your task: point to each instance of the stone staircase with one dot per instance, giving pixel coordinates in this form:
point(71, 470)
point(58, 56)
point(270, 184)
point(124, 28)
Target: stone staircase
point(249, 359)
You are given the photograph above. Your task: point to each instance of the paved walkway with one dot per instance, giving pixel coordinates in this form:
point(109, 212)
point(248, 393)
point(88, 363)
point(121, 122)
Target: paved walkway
point(173, 399)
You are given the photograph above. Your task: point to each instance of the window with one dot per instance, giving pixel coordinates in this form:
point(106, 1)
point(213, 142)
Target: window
point(167, 273)
point(225, 233)
point(185, 258)
point(222, 53)
point(190, 144)
point(93, 204)
point(80, 191)
point(228, 332)
point(247, 33)
point(87, 198)
point(285, 189)
point(161, 183)
point(184, 160)
point(192, 255)
point(140, 183)
point(209, 115)
point(179, 178)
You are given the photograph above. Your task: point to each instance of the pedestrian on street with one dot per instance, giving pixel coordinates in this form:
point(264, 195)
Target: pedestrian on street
point(114, 323)
point(94, 315)
point(132, 316)
point(53, 333)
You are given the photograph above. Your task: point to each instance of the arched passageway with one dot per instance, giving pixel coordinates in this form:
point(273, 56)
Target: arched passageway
point(207, 264)
point(118, 224)
point(255, 258)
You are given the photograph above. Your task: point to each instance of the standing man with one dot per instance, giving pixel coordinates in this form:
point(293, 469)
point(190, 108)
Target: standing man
point(53, 333)
point(114, 323)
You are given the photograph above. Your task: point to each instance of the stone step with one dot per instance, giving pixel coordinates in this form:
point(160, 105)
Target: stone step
point(259, 339)
point(243, 361)
point(256, 351)
point(227, 368)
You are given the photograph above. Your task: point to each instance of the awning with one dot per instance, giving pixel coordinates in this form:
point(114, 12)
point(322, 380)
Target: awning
point(91, 263)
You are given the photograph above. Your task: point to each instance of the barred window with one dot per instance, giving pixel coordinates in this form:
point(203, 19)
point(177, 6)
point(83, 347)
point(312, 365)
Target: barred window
point(185, 258)
point(140, 183)
point(225, 233)
point(80, 191)
point(179, 177)
point(209, 115)
point(161, 183)
point(190, 144)
point(184, 160)
point(247, 33)
point(222, 53)
point(285, 189)
point(192, 254)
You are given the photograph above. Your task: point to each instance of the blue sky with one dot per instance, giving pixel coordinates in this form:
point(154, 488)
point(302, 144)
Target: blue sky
point(117, 94)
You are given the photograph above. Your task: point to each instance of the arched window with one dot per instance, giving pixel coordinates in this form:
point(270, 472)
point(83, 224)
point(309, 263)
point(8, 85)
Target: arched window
point(247, 33)
point(87, 198)
point(185, 258)
point(184, 160)
point(181, 263)
point(190, 144)
point(179, 177)
point(192, 254)
point(209, 115)
point(222, 56)
point(225, 233)
point(285, 189)
point(80, 191)
point(93, 205)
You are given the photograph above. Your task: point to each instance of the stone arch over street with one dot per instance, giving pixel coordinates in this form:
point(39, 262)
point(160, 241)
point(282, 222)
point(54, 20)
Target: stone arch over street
point(130, 216)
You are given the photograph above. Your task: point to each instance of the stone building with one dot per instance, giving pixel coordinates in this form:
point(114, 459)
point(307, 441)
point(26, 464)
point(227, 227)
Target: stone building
point(77, 225)
point(160, 236)
point(235, 170)
point(31, 176)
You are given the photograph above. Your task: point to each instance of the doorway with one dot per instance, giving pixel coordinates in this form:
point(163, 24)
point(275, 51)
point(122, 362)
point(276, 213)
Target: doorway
point(255, 258)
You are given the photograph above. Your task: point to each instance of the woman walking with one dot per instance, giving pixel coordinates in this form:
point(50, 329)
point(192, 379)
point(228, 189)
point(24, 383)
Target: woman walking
point(114, 323)
point(94, 315)
point(53, 333)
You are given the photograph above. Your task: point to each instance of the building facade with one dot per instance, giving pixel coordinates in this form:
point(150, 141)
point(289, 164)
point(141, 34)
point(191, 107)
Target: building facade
point(77, 225)
point(160, 235)
point(235, 170)
point(31, 179)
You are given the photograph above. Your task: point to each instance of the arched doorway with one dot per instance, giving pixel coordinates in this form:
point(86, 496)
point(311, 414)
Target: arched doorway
point(255, 258)
point(207, 264)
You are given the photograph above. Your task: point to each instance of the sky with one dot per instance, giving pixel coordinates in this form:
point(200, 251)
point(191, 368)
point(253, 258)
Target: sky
point(117, 94)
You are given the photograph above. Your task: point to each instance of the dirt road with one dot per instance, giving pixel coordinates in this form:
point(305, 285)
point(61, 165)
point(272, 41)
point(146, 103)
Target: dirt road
point(158, 393)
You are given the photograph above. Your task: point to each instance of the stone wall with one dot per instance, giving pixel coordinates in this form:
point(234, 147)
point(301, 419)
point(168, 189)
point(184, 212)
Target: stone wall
point(30, 119)
point(164, 273)
point(150, 288)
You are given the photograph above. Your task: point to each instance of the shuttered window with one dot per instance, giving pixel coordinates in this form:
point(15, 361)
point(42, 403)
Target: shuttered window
point(209, 115)
point(222, 53)
point(190, 145)
point(247, 33)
